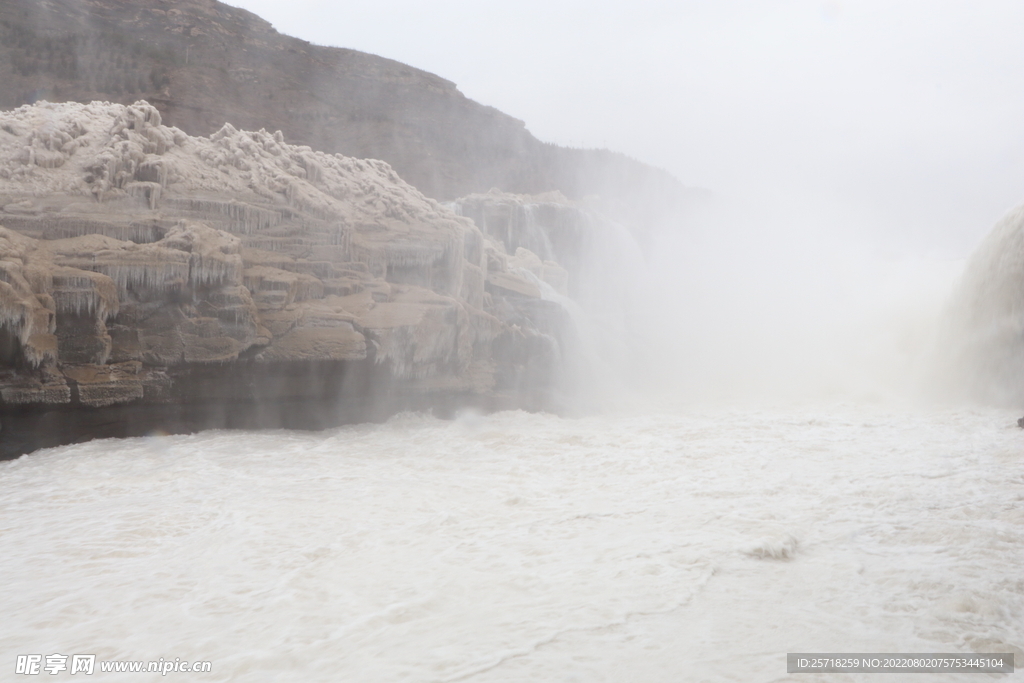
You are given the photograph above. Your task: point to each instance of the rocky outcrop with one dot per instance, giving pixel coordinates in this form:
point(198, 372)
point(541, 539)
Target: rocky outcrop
point(142, 268)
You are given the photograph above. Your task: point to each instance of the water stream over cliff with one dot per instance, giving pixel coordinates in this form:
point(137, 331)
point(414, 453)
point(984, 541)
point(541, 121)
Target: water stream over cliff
point(592, 268)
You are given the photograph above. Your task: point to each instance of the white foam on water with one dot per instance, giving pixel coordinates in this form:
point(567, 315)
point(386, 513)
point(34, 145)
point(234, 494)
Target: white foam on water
point(669, 546)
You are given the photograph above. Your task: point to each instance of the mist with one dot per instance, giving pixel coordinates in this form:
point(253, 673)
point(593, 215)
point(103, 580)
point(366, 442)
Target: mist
point(856, 154)
point(774, 302)
point(900, 116)
point(379, 423)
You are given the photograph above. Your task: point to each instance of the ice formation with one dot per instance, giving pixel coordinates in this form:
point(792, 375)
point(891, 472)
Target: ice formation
point(129, 246)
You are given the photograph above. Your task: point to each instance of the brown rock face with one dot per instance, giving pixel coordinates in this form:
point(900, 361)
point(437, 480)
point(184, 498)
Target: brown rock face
point(202, 63)
point(141, 266)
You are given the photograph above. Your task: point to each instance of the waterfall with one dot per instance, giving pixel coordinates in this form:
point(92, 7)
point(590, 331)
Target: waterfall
point(983, 335)
point(606, 278)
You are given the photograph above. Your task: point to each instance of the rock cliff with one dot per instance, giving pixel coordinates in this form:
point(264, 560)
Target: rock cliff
point(201, 63)
point(150, 279)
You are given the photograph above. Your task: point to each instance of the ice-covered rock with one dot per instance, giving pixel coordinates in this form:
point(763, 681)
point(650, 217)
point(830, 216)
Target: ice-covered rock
point(128, 243)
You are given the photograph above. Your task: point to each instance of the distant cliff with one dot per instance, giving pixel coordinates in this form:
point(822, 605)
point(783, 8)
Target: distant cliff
point(202, 63)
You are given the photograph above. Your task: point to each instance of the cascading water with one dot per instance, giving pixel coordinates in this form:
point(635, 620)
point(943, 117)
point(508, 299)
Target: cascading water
point(606, 287)
point(983, 334)
point(531, 234)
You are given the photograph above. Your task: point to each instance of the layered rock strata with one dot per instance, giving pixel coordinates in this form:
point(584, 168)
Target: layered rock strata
point(154, 280)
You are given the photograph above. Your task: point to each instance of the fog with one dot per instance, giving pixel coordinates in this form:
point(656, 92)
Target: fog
point(756, 303)
point(765, 481)
point(901, 117)
point(856, 152)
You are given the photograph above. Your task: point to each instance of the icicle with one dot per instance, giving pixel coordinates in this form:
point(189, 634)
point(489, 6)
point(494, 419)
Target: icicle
point(80, 293)
point(148, 191)
point(14, 312)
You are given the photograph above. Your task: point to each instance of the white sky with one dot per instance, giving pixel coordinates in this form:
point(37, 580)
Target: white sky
point(903, 118)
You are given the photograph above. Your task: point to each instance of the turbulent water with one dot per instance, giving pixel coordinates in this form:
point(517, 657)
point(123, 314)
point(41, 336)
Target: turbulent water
point(669, 546)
